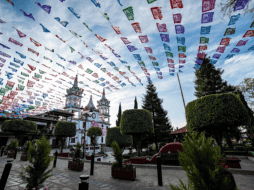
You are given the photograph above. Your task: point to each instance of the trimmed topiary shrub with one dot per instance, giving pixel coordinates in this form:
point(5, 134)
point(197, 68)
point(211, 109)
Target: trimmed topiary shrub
point(114, 134)
point(94, 133)
point(19, 127)
point(216, 114)
point(136, 122)
point(63, 130)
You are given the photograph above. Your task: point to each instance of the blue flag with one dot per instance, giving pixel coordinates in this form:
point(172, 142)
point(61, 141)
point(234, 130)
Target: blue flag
point(64, 23)
point(233, 19)
point(21, 55)
point(205, 30)
point(207, 17)
point(157, 69)
point(44, 29)
point(180, 40)
point(199, 61)
point(172, 74)
point(131, 48)
point(72, 10)
point(46, 8)
point(137, 57)
point(61, 57)
point(124, 62)
point(229, 56)
point(18, 61)
point(96, 4)
point(213, 61)
point(166, 47)
point(9, 75)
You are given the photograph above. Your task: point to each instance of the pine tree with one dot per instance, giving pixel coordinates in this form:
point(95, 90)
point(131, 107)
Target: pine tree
point(118, 121)
point(135, 103)
point(162, 125)
point(208, 80)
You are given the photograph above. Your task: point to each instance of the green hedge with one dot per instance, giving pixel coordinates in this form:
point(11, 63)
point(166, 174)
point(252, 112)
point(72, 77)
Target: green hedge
point(216, 111)
point(169, 156)
point(136, 121)
point(239, 153)
point(113, 134)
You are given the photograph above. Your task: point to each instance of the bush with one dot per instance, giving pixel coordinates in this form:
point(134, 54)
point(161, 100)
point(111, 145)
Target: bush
point(40, 161)
point(200, 160)
point(117, 153)
point(13, 144)
point(94, 133)
point(77, 153)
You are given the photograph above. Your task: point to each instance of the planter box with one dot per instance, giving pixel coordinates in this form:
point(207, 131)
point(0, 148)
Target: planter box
point(10, 155)
point(96, 157)
point(5, 152)
point(23, 156)
point(122, 173)
point(64, 154)
point(76, 166)
point(138, 160)
point(233, 163)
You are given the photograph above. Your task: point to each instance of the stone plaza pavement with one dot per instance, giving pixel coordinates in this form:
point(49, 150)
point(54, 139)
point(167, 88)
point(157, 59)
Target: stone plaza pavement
point(64, 179)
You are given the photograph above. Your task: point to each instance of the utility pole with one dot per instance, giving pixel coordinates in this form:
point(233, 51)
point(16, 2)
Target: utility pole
point(181, 94)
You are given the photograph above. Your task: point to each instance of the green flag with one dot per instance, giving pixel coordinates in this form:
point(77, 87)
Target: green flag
point(8, 87)
point(21, 78)
point(89, 71)
point(1, 101)
point(182, 48)
point(75, 34)
point(24, 74)
point(72, 49)
point(34, 60)
point(47, 59)
point(229, 31)
point(42, 72)
point(204, 40)
point(87, 26)
point(2, 91)
point(155, 64)
point(81, 82)
point(21, 81)
point(96, 81)
point(103, 69)
point(252, 25)
point(169, 54)
point(37, 75)
point(21, 87)
point(150, 1)
point(141, 63)
point(116, 68)
point(128, 67)
point(129, 13)
point(105, 15)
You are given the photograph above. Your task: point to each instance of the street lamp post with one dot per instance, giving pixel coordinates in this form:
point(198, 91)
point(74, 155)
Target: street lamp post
point(86, 115)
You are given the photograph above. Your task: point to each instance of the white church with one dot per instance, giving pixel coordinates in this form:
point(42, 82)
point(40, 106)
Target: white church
point(99, 116)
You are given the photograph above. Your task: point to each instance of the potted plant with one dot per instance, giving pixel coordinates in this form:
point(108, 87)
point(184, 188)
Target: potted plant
point(40, 161)
point(118, 170)
point(24, 153)
point(76, 162)
point(12, 146)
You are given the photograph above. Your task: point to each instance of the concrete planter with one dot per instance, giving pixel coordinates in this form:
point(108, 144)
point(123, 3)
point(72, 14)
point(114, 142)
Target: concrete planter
point(123, 173)
point(76, 166)
point(10, 155)
point(64, 154)
point(23, 156)
point(96, 158)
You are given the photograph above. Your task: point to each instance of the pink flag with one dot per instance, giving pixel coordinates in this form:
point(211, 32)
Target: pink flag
point(249, 33)
point(182, 55)
point(170, 60)
point(221, 49)
point(202, 48)
point(100, 38)
point(156, 11)
point(144, 39)
point(125, 40)
point(201, 55)
point(177, 18)
point(21, 35)
point(208, 5)
point(37, 44)
point(152, 58)
point(15, 42)
point(182, 61)
point(136, 27)
point(162, 27)
point(149, 50)
point(117, 30)
point(31, 67)
point(176, 4)
point(225, 41)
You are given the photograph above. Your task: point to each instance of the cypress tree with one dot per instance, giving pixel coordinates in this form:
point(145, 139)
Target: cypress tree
point(162, 125)
point(208, 80)
point(118, 121)
point(135, 103)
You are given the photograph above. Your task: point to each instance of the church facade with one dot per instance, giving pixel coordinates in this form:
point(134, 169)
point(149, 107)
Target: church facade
point(98, 116)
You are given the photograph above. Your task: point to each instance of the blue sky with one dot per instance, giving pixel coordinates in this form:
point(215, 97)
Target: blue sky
point(235, 69)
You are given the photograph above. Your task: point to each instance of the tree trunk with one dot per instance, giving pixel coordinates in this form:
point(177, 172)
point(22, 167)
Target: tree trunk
point(157, 148)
